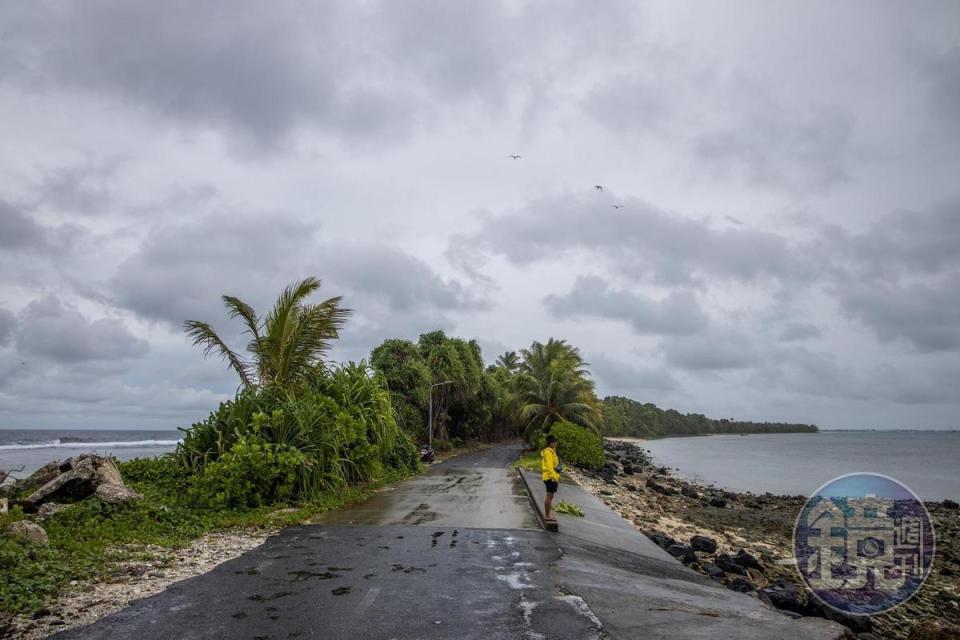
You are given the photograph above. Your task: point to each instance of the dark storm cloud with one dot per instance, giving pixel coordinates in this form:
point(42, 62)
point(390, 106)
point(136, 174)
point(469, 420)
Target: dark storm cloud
point(49, 329)
point(675, 314)
point(639, 240)
point(19, 232)
point(263, 73)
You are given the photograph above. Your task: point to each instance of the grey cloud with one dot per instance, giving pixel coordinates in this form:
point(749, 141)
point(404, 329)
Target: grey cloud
point(80, 187)
point(617, 377)
point(903, 241)
point(263, 73)
point(8, 322)
point(711, 351)
point(48, 329)
point(794, 331)
point(17, 230)
point(767, 147)
point(675, 314)
point(181, 270)
point(404, 281)
point(640, 240)
point(928, 316)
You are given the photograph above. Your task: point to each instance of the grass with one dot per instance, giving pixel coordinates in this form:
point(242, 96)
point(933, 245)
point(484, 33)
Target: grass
point(569, 508)
point(529, 461)
point(89, 536)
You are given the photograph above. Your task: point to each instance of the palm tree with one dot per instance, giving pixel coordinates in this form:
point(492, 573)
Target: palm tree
point(286, 344)
point(509, 361)
point(552, 385)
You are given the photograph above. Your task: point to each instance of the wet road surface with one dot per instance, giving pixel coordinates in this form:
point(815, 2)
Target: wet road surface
point(476, 490)
point(450, 554)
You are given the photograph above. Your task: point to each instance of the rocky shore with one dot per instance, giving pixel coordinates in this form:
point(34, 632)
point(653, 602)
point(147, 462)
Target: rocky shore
point(744, 541)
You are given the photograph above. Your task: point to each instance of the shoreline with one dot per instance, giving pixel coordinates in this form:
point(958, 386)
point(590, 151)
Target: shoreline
point(671, 510)
point(135, 579)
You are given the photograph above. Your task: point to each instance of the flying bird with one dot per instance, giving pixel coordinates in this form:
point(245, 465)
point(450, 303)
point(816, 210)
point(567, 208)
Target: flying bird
point(514, 157)
point(617, 206)
point(598, 187)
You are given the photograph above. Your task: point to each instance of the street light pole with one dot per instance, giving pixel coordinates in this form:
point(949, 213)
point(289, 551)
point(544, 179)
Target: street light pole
point(430, 427)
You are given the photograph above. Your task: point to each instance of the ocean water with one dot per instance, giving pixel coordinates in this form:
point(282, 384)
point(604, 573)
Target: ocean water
point(33, 448)
point(928, 462)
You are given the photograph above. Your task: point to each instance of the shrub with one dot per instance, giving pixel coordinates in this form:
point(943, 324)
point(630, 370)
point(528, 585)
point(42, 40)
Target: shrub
point(576, 445)
point(253, 473)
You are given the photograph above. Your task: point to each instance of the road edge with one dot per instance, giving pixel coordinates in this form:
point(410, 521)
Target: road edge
point(548, 526)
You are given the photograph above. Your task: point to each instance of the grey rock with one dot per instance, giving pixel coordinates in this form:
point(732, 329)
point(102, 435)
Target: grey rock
point(48, 510)
point(712, 570)
point(741, 585)
point(727, 563)
point(745, 559)
point(682, 552)
point(116, 493)
point(703, 543)
point(82, 477)
point(30, 532)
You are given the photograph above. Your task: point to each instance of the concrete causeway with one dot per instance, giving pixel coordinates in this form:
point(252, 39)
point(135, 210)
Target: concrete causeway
point(455, 553)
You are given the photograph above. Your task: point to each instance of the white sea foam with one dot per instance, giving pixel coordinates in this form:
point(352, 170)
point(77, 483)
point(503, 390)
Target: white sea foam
point(56, 444)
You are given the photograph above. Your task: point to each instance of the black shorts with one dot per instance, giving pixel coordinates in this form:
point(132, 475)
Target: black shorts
point(551, 485)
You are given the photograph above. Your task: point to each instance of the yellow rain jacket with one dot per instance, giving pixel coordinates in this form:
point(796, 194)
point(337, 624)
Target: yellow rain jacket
point(548, 464)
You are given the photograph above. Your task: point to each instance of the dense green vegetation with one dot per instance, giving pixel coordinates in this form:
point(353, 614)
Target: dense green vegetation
point(576, 445)
point(90, 537)
point(302, 436)
point(626, 417)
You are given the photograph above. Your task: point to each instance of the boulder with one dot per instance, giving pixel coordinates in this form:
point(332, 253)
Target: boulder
point(782, 595)
point(690, 492)
point(663, 489)
point(741, 585)
point(727, 563)
point(682, 552)
point(81, 477)
point(712, 570)
point(34, 481)
point(745, 559)
point(703, 543)
point(627, 469)
point(662, 541)
point(30, 532)
point(112, 493)
point(720, 503)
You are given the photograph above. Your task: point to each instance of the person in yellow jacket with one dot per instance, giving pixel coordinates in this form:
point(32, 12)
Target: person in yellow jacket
point(550, 467)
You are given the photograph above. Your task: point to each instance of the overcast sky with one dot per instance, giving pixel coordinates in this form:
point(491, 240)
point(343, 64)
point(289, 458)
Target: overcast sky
point(788, 245)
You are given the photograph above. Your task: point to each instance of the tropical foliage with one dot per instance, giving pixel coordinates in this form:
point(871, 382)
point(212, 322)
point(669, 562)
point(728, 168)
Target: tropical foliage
point(626, 417)
point(286, 344)
point(576, 445)
point(552, 385)
point(334, 428)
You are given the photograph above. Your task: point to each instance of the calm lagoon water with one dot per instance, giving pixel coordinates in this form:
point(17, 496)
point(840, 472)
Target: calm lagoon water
point(799, 463)
point(33, 448)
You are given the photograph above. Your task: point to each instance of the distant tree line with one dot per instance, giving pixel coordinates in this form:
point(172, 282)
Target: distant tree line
point(626, 417)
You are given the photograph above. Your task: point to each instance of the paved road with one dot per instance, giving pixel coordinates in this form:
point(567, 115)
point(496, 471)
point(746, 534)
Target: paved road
point(452, 554)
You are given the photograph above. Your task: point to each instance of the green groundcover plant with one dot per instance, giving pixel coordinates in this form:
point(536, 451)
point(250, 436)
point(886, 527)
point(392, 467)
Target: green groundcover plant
point(569, 508)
